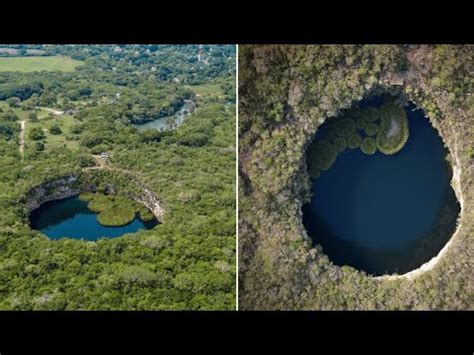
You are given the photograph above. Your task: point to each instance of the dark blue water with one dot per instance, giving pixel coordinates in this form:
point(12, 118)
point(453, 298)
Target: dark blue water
point(385, 214)
point(71, 218)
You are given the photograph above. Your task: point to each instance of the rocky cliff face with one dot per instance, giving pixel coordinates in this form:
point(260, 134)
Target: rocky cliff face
point(72, 185)
point(67, 186)
point(150, 201)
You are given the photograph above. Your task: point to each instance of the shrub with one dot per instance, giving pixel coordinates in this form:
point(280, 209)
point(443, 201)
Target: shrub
point(354, 141)
point(339, 144)
point(9, 117)
point(85, 160)
point(321, 156)
point(39, 146)
point(7, 130)
point(194, 139)
point(14, 102)
point(33, 117)
point(368, 146)
point(145, 214)
point(118, 215)
point(371, 113)
point(345, 127)
point(361, 122)
point(371, 129)
point(36, 134)
point(115, 210)
point(55, 129)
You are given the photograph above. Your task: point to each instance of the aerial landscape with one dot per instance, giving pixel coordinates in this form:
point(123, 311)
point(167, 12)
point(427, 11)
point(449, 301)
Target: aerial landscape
point(356, 177)
point(117, 183)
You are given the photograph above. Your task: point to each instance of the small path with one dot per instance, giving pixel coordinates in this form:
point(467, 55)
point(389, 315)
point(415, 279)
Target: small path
point(105, 164)
point(22, 137)
point(52, 110)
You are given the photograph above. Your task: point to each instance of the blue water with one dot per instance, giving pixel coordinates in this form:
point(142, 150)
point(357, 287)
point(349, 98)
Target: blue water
point(373, 212)
point(71, 218)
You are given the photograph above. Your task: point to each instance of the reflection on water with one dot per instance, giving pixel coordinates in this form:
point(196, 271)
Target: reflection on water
point(169, 122)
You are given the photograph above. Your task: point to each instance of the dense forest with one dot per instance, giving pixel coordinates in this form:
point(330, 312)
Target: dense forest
point(56, 123)
point(285, 94)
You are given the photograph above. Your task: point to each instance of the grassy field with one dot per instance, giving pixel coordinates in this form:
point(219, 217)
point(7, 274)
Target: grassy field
point(31, 64)
point(206, 90)
point(65, 122)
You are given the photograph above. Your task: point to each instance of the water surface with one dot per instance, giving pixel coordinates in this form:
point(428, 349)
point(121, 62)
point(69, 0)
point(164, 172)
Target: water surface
point(70, 217)
point(385, 213)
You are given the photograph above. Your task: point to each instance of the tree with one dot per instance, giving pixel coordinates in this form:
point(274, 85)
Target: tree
point(9, 116)
point(33, 117)
point(171, 122)
point(36, 134)
point(354, 141)
point(55, 129)
point(47, 99)
point(39, 146)
point(368, 145)
point(14, 102)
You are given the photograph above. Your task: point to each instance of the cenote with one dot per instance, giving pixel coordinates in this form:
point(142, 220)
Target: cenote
point(381, 213)
point(70, 217)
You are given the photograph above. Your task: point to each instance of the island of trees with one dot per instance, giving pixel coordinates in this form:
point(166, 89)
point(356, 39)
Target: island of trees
point(369, 129)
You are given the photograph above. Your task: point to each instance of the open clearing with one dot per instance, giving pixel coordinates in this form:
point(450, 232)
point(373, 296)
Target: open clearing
point(32, 64)
point(46, 120)
point(206, 89)
point(65, 122)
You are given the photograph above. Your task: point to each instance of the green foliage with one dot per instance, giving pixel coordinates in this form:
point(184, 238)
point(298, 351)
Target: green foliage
point(117, 215)
point(39, 146)
point(9, 116)
point(354, 141)
point(85, 160)
point(368, 146)
point(115, 210)
point(6, 131)
point(145, 214)
point(36, 134)
point(321, 156)
point(55, 129)
point(339, 144)
point(394, 130)
point(371, 129)
point(33, 117)
point(14, 102)
point(345, 127)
